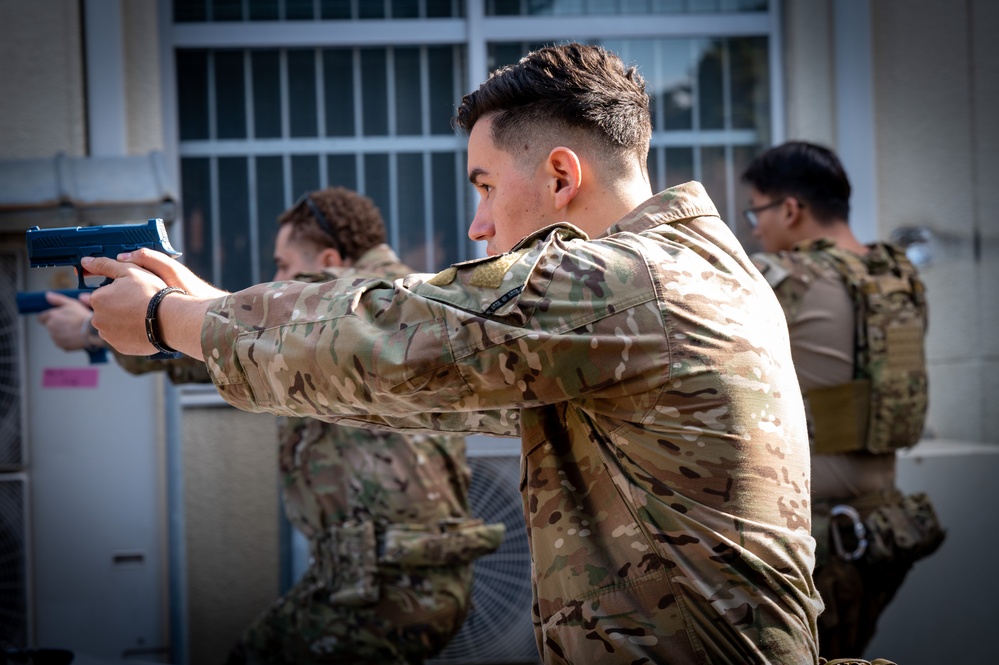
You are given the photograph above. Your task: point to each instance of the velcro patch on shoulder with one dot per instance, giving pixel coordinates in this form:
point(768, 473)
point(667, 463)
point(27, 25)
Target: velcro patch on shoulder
point(444, 277)
point(490, 274)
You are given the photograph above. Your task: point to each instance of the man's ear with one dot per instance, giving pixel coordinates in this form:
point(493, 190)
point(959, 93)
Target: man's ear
point(793, 212)
point(329, 258)
point(565, 174)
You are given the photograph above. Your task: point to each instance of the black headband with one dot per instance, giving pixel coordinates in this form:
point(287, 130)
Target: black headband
point(323, 222)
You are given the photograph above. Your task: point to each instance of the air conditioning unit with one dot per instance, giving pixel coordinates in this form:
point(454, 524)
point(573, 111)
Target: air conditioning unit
point(498, 629)
point(14, 598)
point(15, 615)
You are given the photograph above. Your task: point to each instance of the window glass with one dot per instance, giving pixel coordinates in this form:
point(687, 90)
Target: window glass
point(710, 83)
point(270, 198)
point(199, 248)
point(263, 11)
point(449, 227)
point(445, 8)
point(371, 9)
point(750, 84)
point(405, 9)
point(234, 227)
point(298, 10)
point(338, 91)
point(304, 174)
point(230, 95)
point(266, 77)
point(302, 92)
point(741, 158)
point(342, 170)
point(624, 7)
point(408, 84)
point(412, 245)
point(374, 87)
point(227, 10)
point(376, 185)
point(673, 85)
point(189, 11)
point(334, 9)
point(443, 94)
point(192, 104)
point(679, 166)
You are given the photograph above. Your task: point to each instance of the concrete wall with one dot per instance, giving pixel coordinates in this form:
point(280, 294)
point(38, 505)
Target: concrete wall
point(809, 71)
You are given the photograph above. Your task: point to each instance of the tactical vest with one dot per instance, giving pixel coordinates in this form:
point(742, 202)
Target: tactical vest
point(883, 408)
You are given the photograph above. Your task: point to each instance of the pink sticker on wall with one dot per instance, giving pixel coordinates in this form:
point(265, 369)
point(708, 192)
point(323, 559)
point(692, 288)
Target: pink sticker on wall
point(69, 377)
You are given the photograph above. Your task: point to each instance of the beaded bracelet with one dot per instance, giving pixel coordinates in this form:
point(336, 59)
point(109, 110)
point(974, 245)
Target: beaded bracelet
point(154, 303)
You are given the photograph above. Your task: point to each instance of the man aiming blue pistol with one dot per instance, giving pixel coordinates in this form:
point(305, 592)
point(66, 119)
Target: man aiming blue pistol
point(67, 246)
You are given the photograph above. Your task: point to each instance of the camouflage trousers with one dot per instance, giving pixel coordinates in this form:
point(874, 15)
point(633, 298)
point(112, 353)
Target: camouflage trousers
point(417, 613)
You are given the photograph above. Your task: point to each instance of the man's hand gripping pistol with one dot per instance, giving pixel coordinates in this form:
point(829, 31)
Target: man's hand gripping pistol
point(67, 246)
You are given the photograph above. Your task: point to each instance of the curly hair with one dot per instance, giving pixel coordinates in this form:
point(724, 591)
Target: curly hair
point(354, 218)
point(582, 90)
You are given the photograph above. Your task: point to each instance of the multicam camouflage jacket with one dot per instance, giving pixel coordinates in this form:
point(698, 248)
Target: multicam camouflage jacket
point(334, 474)
point(665, 470)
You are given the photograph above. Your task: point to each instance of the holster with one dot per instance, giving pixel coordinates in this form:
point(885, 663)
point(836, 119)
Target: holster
point(346, 562)
point(893, 527)
point(347, 556)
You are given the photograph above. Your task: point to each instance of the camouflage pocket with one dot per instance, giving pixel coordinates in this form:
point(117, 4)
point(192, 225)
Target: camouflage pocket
point(347, 562)
point(450, 543)
point(907, 530)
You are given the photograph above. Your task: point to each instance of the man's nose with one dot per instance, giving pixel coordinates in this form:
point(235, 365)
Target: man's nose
point(481, 228)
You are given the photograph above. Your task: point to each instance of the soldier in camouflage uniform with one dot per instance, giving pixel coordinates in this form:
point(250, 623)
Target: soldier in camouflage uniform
point(832, 289)
point(351, 491)
point(343, 484)
point(625, 337)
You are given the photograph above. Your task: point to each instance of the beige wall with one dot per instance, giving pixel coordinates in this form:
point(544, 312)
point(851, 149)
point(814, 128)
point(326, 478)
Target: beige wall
point(231, 525)
point(41, 79)
point(42, 92)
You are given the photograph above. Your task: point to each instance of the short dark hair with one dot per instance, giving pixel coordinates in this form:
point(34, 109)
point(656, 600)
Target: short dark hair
point(354, 219)
point(575, 86)
point(807, 171)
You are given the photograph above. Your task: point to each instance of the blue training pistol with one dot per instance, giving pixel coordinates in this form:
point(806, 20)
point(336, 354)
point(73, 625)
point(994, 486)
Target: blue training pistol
point(67, 246)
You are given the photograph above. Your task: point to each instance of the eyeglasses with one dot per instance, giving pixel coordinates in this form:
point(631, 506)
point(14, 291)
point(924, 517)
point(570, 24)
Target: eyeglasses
point(323, 222)
point(750, 213)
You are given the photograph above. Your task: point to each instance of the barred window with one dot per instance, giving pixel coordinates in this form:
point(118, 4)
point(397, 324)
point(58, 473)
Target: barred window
point(277, 97)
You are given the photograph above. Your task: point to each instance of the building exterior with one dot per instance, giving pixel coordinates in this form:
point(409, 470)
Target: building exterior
point(247, 104)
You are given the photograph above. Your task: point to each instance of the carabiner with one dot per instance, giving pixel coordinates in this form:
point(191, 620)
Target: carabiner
point(859, 531)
